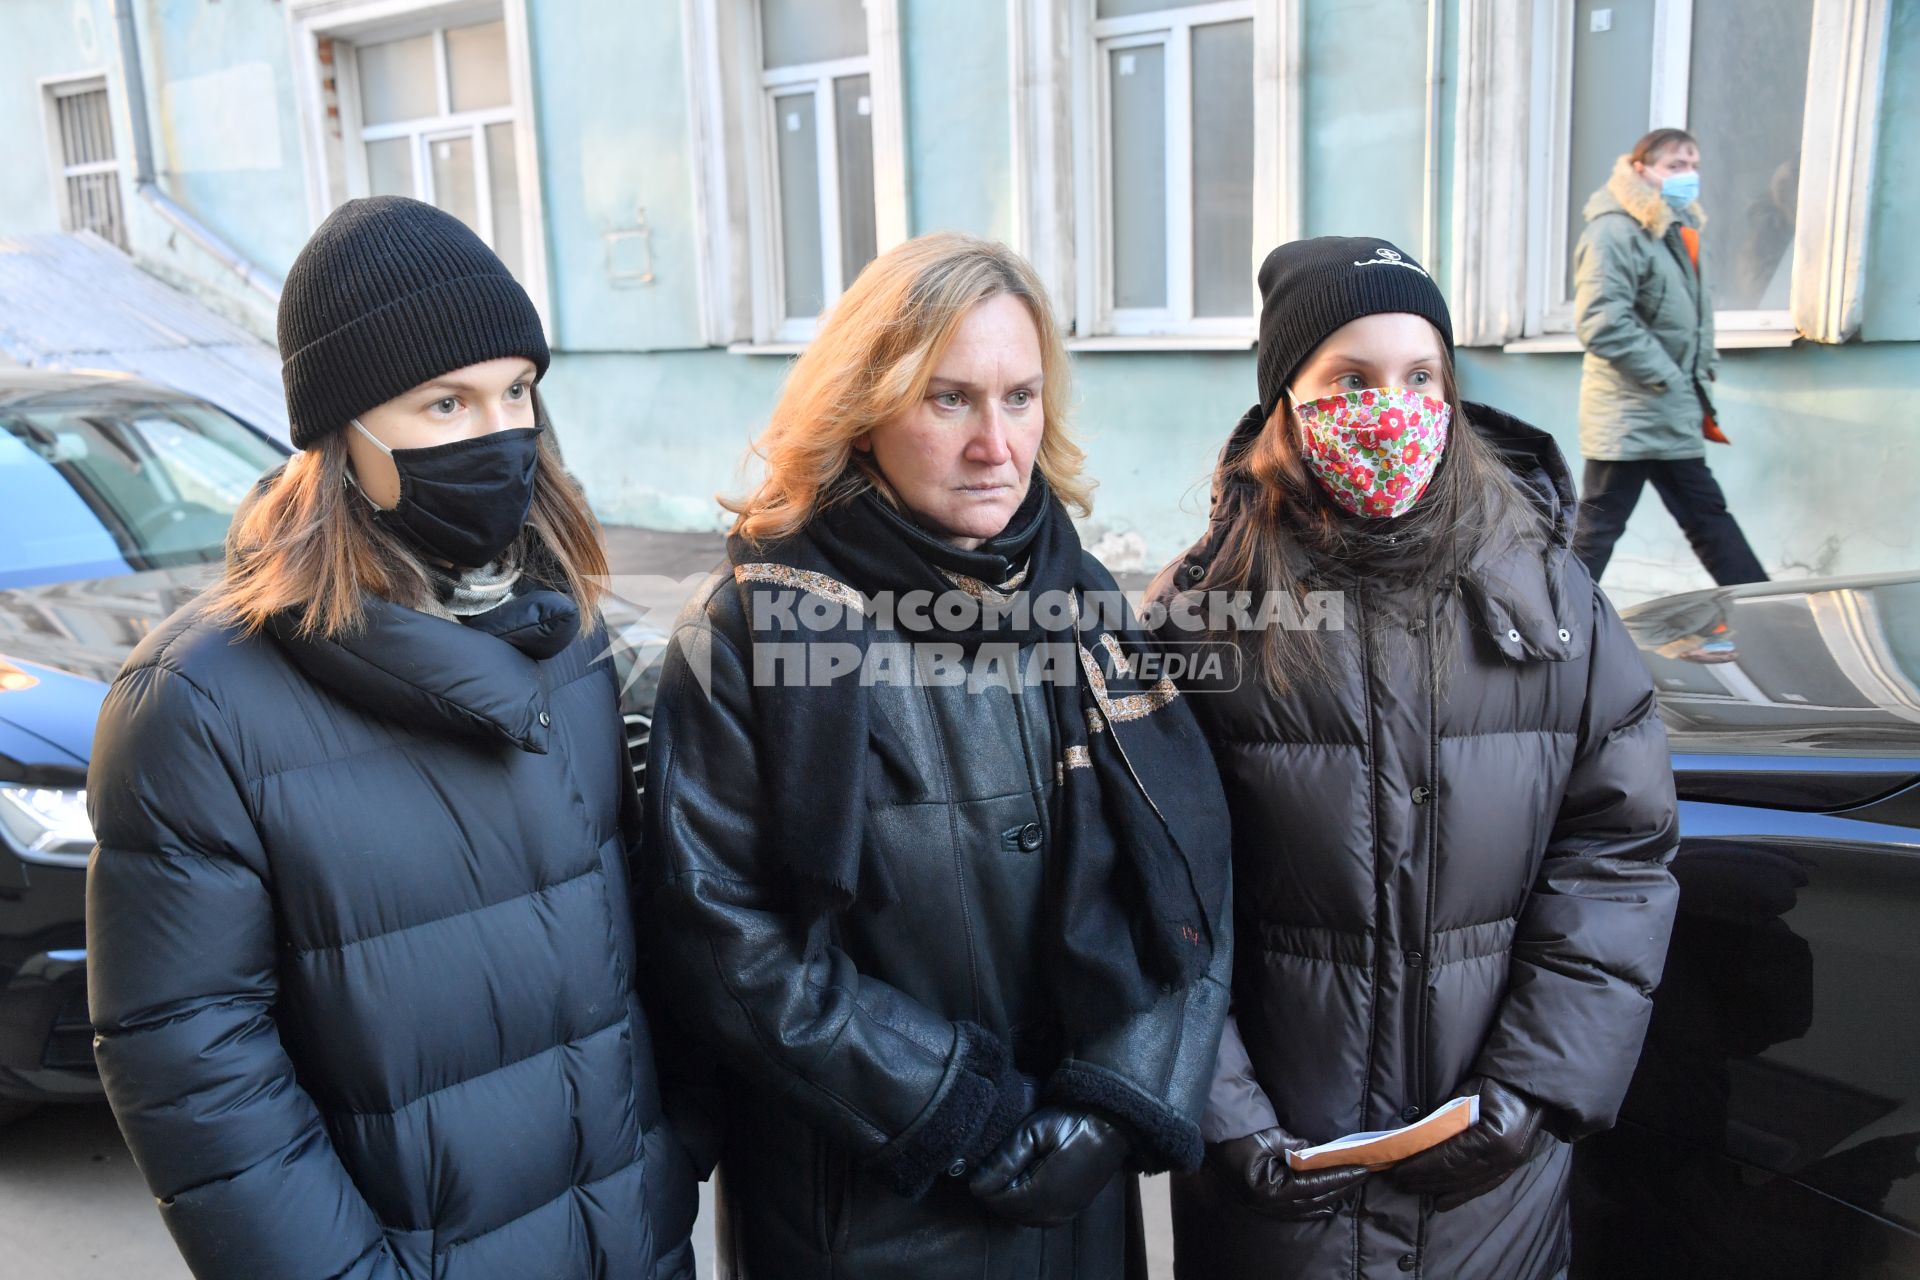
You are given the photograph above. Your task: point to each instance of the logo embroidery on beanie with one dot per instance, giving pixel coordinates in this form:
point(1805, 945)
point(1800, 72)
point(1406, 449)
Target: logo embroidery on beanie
point(1385, 257)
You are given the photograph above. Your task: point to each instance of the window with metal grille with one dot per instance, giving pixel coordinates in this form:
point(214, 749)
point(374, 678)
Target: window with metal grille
point(90, 176)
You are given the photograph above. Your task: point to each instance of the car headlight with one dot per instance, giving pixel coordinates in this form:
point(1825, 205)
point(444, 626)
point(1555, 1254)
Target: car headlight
point(47, 824)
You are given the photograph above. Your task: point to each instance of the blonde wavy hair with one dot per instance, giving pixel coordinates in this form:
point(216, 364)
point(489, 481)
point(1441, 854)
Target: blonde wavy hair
point(871, 362)
point(304, 543)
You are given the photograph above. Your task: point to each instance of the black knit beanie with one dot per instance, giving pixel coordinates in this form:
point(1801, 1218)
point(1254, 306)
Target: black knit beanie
point(1309, 288)
point(390, 293)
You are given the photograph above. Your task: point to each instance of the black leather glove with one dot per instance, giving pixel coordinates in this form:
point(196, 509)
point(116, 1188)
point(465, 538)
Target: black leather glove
point(1473, 1163)
point(1256, 1172)
point(1051, 1167)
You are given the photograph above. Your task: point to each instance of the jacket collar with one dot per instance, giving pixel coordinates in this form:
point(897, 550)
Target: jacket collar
point(1527, 596)
point(1626, 193)
point(455, 679)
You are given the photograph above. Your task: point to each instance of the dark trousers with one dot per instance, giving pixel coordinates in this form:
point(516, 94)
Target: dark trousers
point(1609, 491)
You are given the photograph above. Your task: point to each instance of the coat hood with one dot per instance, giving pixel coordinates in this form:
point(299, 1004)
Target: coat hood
point(1534, 599)
point(1626, 193)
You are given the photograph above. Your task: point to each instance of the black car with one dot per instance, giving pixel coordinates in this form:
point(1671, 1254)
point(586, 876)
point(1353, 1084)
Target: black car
point(115, 497)
point(1773, 1126)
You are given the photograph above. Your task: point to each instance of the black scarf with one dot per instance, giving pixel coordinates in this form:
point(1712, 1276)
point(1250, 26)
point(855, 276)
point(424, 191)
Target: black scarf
point(1139, 881)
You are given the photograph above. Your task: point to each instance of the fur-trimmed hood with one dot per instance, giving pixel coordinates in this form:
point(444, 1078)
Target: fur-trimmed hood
point(1627, 193)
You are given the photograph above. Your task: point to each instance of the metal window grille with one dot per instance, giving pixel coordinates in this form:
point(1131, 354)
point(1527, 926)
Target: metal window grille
point(88, 168)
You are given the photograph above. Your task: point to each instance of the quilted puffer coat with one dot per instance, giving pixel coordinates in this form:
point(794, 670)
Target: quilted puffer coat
point(362, 959)
point(1442, 879)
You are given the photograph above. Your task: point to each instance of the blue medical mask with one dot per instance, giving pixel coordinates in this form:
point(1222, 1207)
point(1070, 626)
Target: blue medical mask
point(1681, 189)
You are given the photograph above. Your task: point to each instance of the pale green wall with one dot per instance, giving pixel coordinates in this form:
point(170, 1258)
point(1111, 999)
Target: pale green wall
point(612, 114)
point(1365, 104)
point(226, 140)
point(1892, 303)
point(959, 117)
point(43, 38)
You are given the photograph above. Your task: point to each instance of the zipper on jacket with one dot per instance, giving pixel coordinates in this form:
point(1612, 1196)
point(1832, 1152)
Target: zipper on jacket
point(1431, 821)
point(1373, 804)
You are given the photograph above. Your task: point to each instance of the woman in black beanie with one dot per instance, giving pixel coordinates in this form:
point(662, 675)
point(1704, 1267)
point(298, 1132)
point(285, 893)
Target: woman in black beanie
point(1451, 807)
point(361, 957)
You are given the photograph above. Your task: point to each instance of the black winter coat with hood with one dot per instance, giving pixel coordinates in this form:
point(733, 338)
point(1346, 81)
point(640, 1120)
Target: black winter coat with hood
point(361, 953)
point(1436, 880)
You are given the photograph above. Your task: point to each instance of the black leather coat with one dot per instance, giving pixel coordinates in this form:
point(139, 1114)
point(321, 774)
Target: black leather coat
point(362, 959)
point(854, 1044)
point(1433, 885)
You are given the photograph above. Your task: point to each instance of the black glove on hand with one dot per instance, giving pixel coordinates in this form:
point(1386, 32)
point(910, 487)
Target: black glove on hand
point(1051, 1167)
point(1473, 1163)
point(1255, 1170)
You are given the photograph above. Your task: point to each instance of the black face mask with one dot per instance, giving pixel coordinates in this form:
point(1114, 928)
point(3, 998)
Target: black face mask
point(467, 501)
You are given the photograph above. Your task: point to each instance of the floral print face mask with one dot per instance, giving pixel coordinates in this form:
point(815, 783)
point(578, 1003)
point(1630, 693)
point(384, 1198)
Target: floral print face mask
point(1374, 451)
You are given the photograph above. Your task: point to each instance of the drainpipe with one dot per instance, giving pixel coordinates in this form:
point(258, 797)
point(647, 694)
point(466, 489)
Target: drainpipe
point(260, 281)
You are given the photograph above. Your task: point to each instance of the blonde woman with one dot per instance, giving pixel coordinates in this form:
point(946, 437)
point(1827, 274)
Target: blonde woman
point(938, 873)
point(358, 929)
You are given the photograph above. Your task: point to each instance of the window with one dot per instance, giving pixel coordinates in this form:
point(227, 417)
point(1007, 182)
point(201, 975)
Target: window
point(819, 94)
point(428, 100)
point(1171, 217)
point(1180, 159)
point(1767, 86)
point(798, 124)
point(1690, 64)
point(436, 123)
point(80, 129)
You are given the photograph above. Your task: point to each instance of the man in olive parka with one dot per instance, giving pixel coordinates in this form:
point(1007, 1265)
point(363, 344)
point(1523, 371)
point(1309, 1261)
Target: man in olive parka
point(1645, 316)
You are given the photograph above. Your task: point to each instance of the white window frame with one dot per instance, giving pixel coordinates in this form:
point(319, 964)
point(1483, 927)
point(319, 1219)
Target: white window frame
point(353, 22)
point(1514, 118)
point(1062, 192)
point(51, 90)
point(737, 187)
point(784, 82)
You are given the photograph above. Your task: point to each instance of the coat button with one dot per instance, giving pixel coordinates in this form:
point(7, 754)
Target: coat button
point(1422, 794)
point(1409, 1113)
point(1415, 959)
point(1195, 572)
point(957, 1169)
point(1030, 837)
point(1408, 1262)
point(1513, 635)
point(1565, 635)
point(545, 720)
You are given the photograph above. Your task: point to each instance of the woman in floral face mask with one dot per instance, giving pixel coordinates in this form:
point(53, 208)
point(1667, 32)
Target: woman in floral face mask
point(1451, 803)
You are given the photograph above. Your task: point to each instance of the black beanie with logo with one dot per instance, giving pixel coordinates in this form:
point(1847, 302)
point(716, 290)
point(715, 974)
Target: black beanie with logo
point(1309, 288)
point(390, 293)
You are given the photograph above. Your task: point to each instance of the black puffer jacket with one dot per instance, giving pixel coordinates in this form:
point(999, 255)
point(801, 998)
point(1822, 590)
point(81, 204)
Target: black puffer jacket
point(362, 959)
point(1431, 887)
point(864, 1048)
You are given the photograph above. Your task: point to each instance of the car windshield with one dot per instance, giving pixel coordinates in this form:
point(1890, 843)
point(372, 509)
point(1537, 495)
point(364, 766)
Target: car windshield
point(96, 486)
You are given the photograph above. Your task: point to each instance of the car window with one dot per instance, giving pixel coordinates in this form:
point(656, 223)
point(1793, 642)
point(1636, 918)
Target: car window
point(89, 489)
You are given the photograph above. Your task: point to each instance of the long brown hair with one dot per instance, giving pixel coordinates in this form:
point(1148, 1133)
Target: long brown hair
point(872, 360)
point(1280, 533)
point(304, 543)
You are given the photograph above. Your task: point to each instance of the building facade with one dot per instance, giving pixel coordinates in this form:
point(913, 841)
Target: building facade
point(683, 185)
